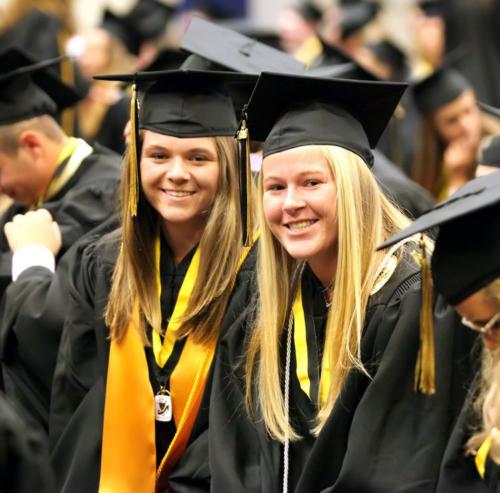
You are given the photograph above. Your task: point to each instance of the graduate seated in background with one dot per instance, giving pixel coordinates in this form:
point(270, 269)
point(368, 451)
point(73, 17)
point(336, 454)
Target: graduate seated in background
point(451, 129)
point(41, 166)
point(315, 386)
point(466, 272)
point(149, 300)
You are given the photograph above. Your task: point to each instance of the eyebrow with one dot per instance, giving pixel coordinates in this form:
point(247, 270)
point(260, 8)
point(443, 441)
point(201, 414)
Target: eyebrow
point(313, 171)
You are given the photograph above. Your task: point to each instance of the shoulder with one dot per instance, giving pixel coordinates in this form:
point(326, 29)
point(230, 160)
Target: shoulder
point(106, 159)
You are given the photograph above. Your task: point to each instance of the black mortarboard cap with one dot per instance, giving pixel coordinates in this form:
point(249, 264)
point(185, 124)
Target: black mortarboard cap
point(167, 59)
point(289, 111)
point(356, 16)
point(234, 51)
point(444, 85)
point(335, 63)
point(432, 8)
point(467, 249)
point(387, 52)
point(251, 29)
point(309, 11)
point(29, 88)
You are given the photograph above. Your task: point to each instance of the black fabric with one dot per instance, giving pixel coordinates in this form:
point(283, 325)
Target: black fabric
point(24, 459)
point(235, 51)
point(490, 155)
point(441, 87)
point(33, 307)
point(78, 391)
point(462, 262)
point(290, 111)
point(492, 476)
point(356, 16)
point(413, 199)
point(380, 437)
point(188, 103)
point(29, 88)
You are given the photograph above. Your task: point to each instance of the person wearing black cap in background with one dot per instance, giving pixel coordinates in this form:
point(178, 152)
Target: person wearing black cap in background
point(313, 389)
point(466, 272)
point(41, 167)
point(450, 131)
point(122, 43)
point(149, 300)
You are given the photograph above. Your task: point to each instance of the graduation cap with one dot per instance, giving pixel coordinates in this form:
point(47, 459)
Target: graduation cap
point(146, 21)
point(251, 29)
point(234, 51)
point(309, 11)
point(432, 8)
point(467, 249)
point(334, 62)
point(387, 52)
point(167, 59)
point(29, 88)
point(444, 85)
point(183, 103)
point(354, 17)
point(289, 111)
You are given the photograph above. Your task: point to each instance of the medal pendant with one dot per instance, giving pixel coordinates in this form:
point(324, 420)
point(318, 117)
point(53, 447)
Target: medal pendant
point(163, 406)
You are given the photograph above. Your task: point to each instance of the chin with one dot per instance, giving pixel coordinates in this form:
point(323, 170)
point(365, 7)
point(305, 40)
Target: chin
point(299, 252)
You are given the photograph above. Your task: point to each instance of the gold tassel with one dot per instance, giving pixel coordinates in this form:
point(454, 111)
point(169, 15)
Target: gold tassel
point(133, 165)
point(425, 378)
point(243, 138)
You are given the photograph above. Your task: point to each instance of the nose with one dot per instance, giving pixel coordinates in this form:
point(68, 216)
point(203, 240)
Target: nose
point(177, 171)
point(293, 200)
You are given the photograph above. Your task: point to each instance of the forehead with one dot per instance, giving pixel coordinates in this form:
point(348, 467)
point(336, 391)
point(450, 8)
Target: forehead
point(176, 143)
point(478, 307)
point(466, 100)
point(295, 161)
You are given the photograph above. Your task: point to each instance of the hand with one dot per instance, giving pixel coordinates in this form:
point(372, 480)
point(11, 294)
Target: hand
point(34, 228)
point(460, 158)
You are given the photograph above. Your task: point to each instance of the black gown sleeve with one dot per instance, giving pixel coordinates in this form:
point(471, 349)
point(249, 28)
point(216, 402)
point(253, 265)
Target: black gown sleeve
point(24, 458)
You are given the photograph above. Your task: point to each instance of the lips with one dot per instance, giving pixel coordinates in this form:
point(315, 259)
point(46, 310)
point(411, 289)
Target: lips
point(300, 225)
point(178, 193)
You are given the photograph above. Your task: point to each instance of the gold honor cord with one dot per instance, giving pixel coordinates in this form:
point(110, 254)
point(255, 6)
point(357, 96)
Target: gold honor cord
point(74, 152)
point(482, 456)
point(301, 352)
point(128, 457)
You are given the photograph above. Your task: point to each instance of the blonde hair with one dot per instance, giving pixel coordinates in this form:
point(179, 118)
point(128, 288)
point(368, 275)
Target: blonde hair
point(487, 403)
point(134, 277)
point(365, 219)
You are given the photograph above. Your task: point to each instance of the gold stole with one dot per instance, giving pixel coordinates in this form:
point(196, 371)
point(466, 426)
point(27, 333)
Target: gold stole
point(300, 343)
point(482, 456)
point(72, 155)
point(128, 457)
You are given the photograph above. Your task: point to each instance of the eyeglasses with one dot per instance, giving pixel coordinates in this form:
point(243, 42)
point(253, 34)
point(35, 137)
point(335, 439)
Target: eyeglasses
point(490, 329)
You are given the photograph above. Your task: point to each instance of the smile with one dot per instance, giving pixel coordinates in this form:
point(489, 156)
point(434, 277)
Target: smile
point(178, 193)
point(300, 225)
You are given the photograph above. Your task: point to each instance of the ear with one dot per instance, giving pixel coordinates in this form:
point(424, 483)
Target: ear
point(32, 142)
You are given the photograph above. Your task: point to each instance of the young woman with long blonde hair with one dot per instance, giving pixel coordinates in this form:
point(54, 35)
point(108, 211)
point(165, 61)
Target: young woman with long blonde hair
point(149, 301)
point(316, 387)
point(466, 272)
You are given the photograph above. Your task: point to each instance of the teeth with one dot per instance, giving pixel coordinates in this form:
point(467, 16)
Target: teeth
point(178, 193)
point(300, 225)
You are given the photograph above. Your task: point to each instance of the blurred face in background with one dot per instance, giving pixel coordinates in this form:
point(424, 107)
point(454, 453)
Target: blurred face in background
point(459, 119)
point(294, 30)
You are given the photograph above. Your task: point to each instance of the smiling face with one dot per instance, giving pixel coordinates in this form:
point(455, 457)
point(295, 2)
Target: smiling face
point(180, 177)
point(300, 205)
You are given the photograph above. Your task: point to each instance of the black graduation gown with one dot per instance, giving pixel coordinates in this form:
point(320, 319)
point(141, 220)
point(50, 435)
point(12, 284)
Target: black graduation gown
point(380, 436)
point(24, 458)
point(32, 315)
point(408, 195)
point(492, 476)
point(79, 386)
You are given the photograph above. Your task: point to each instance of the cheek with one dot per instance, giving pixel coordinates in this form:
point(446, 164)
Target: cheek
point(208, 180)
point(272, 206)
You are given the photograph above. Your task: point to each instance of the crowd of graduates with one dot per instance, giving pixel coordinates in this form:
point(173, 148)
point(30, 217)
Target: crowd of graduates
point(250, 258)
